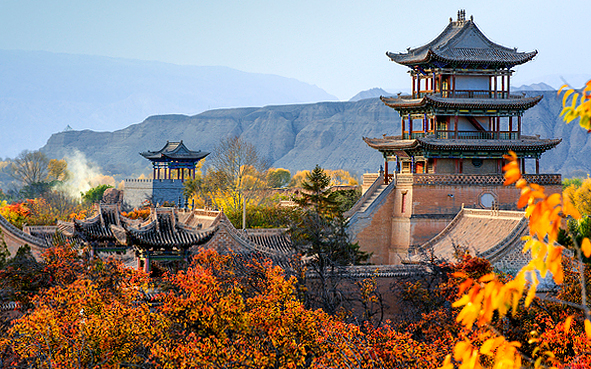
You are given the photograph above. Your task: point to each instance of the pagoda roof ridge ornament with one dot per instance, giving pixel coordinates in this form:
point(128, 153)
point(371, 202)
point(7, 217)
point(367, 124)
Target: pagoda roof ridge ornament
point(174, 150)
point(462, 42)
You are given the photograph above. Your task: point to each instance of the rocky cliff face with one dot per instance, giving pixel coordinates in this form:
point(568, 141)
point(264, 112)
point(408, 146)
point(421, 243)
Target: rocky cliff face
point(298, 137)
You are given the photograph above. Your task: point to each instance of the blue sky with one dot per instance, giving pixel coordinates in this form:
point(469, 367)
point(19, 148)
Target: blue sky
point(337, 45)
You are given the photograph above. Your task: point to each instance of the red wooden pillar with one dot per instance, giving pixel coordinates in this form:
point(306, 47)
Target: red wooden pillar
point(402, 124)
point(456, 127)
point(435, 126)
point(495, 85)
point(523, 165)
point(537, 165)
point(503, 83)
point(461, 165)
point(433, 86)
point(511, 127)
point(386, 171)
point(508, 84)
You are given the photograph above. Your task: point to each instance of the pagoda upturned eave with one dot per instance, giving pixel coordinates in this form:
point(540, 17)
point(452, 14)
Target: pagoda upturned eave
point(174, 151)
point(430, 143)
point(437, 101)
point(462, 43)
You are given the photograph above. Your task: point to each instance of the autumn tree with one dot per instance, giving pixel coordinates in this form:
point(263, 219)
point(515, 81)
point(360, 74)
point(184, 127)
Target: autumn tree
point(235, 176)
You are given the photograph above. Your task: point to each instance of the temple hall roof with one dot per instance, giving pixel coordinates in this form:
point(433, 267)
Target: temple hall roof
point(485, 233)
point(98, 227)
point(174, 151)
point(164, 231)
point(462, 43)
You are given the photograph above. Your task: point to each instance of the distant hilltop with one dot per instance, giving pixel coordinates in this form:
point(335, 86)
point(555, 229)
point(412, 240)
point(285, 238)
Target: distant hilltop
point(43, 92)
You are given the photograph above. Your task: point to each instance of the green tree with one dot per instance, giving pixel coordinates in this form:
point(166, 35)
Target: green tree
point(95, 194)
point(320, 235)
point(278, 177)
point(316, 194)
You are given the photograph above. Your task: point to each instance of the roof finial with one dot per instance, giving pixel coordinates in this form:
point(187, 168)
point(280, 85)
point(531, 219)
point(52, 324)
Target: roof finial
point(472, 18)
point(461, 15)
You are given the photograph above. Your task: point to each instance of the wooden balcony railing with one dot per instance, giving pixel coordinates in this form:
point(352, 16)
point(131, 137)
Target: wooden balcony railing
point(465, 135)
point(469, 94)
point(477, 179)
point(478, 135)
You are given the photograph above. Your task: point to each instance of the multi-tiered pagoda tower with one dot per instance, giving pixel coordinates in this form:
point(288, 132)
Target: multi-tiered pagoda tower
point(457, 124)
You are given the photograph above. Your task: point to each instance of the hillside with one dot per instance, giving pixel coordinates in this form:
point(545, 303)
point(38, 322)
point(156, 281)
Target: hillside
point(298, 137)
point(43, 92)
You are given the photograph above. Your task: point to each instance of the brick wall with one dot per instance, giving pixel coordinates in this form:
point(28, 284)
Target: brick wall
point(157, 190)
point(375, 236)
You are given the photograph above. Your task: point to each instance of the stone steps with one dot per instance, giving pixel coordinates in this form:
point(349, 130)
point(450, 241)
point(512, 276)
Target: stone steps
point(372, 198)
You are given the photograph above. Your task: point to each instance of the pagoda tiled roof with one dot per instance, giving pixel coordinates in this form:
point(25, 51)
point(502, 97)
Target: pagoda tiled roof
point(97, 228)
point(165, 232)
point(174, 151)
point(276, 239)
point(394, 143)
point(461, 42)
point(436, 100)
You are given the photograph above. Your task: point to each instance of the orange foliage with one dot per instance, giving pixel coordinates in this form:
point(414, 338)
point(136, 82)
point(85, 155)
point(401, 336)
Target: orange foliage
point(142, 213)
point(488, 297)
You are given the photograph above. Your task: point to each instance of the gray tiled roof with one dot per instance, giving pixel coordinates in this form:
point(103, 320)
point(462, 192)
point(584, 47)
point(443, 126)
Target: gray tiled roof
point(437, 100)
point(432, 143)
point(175, 151)
point(461, 42)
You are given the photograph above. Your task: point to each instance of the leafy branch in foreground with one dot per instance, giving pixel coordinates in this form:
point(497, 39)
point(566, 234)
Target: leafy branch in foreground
point(574, 111)
point(488, 298)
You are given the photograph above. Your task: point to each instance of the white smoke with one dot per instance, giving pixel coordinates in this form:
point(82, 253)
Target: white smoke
point(83, 175)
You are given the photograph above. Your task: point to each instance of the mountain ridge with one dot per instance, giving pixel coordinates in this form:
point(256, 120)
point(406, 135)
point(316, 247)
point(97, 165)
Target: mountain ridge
point(43, 92)
point(299, 136)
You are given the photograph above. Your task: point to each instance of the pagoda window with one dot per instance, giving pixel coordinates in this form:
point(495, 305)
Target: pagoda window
point(403, 203)
point(406, 167)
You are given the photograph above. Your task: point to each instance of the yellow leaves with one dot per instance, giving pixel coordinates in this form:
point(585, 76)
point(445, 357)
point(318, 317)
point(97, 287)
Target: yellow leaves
point(567, 323)
point(586, 247)
point(568, 208)
point(574, 111)
point(588, 328)
point(512, 172)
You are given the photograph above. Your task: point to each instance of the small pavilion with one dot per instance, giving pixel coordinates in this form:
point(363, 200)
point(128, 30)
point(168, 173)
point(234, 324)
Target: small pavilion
point(174, 158)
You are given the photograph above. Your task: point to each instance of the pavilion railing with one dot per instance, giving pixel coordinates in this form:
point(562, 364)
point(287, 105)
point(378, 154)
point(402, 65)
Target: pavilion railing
point(465, 135)
point(471, 94)
point(478, 135)
point(475, 179)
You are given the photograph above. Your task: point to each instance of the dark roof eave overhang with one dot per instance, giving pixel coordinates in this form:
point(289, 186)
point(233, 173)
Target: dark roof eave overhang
point(461, 103)
point(431, 58)
point(392, 144)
